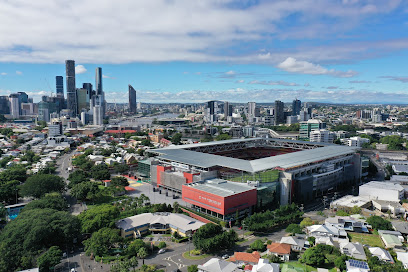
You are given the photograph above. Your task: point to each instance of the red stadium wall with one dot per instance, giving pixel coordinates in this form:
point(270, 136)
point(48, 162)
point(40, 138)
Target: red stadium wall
point(160, 169)
point(217, 203)
point(189, 176)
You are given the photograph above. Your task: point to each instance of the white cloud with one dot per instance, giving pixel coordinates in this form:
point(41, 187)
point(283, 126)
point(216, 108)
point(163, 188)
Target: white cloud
point(304, 67)
point(80, 69)
point(273, 83)
point(240, 81)
point(19, 73)
point(230, 73)
point(3, 74)
point(105, 76)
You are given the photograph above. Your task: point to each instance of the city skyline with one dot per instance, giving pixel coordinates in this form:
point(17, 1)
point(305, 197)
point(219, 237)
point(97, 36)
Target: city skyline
point(342, 52)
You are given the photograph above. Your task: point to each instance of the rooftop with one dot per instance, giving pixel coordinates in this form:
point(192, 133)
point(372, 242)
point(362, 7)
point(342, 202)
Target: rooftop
point(221, 187)
point(319, 153)
point(383, 185)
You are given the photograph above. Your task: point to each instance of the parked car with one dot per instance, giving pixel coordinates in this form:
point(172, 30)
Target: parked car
point(162, 250)
point(225, 256)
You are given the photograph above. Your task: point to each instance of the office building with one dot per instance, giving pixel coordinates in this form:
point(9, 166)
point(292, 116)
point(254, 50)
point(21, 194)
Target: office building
point(59, 82)
point(98, 81)
point(97, 115)
point(379, 190)
point(279, 113)
point(89, 91)
point(296, 106)
point(14, 105)
point(27, 109)
point(72, 105)
point(55, 129)
point(251, 109)
point(322, 136)
point(307, 127)
point(81, 99)
point(132, 100)
point(211, 112)
point(227, 109)
point(4, 104)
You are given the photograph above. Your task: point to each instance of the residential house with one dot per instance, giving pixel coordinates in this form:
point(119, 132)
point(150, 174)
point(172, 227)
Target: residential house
point(263, 265)
point(391, 239)
point(348, 223)
point(218, 265)
point(400, 226)
point(393, 207)
point(297, 244)
point(354, 250)
point(246, 258)
point(281, 250)
point(326, 231)
point(381, 254)
point(357, 266)
point(403, 258)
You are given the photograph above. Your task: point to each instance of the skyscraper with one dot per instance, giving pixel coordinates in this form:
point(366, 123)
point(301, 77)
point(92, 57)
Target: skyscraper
point(296, 105)
point(59, 80)
point(132, 100)
point(251, 109)
point(279, 114)
point(14, 105)
point(98, 81)
point(227, 109)
point(71, 89)
point(81, 99)
point(88, 87)
point(4, 104)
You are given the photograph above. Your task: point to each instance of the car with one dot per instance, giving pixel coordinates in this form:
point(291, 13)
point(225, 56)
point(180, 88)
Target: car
point(73, 270)
point(162, 250)
point(225, 256)
point(64, 255)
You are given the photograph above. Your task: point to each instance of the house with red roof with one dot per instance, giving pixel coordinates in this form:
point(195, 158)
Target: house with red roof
point(247, 258)
point(281, 250)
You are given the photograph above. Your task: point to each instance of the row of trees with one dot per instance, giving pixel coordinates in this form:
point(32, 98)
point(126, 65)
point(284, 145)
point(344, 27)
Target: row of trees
point(268, 220)
point(212, 238)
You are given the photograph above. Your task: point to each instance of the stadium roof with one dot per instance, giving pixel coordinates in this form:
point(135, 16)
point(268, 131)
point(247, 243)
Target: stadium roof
point(179, 154)
point(221, 187)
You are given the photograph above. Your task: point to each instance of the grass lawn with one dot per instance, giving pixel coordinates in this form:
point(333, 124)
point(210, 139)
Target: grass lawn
point(366, 239)
point(300, 265)
point(248, 233)
point(241, 241)
point(187, 255)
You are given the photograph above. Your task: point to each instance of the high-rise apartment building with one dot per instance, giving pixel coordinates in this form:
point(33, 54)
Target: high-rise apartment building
point(71, 89)
point(59, 84)
point(97, 115)
point(82, 99)
point(14, 105)
point(296, 106)
point(4, 104)
point(132, 100)
point(89, 91)
point(251, 109)
point(98, 81)
point(279, 114)
point(227, 109)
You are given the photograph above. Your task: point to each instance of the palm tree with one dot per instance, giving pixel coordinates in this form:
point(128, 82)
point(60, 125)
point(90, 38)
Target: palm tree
point(142, 253)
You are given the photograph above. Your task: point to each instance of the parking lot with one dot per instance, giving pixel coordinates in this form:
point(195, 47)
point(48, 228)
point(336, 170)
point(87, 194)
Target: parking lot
point(155, 197)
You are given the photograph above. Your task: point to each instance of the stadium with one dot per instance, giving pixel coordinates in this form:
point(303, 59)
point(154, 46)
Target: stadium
point(282, 171)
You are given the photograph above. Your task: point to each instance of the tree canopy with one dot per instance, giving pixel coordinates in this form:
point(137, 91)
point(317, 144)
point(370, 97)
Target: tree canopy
point(40, 184)
point(34, 231)
point(49, 201)
point(212, 238)
point(100, 172)
point(119, 181)
point(49, 259)
point(76, 177)
point(379, 223)
point(101, 241)
point(98, 217)
point(85, 190)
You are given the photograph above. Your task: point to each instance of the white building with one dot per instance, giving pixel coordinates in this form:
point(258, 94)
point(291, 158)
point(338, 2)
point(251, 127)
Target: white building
point(357, 141)
point(263, 265)
point(382, 191)
point(97, 115)
point(217, 265)
point(321, 136)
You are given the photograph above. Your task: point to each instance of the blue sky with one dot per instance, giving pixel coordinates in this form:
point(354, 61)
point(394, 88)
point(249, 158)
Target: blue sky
point(342, 51)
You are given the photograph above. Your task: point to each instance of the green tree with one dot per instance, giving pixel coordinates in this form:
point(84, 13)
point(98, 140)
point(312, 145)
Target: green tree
point(40, 184)
point(161, 245)
point(222, 137)
point(119, 181)
point(121, 168)
point(142, 253)
point(293, 229)
point(258, 245)
point(14, 173)
point(306, 222)
point(49, 259)
point(176, 139)
point(98, 217)
point(192, 268)
point(85, 190)
point(34, 231)
point(101, 241)
point(53, 201)
point(134, 247)
point(9, 191)
point(314, 257)
point(100, 172)
point(212, 238)
point(176, 207)
point(3, 211)
point(146, 142)
point(76, 177)
point(394, 142)
point(379, 223)
point(340, 262)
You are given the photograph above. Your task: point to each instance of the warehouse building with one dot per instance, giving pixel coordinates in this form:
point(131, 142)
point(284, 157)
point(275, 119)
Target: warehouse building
point(379, 190)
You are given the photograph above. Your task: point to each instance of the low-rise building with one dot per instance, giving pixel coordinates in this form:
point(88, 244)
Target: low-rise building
point(280, 250)
point(263, 265)
point(136, 226)
point(394, 207)
point(403, 258)
point(326, 231)
point(382, 191)
point(391, 239)
point(381, 254)
point(357, 266)
point(297, 244)
point(244, 257)
point(348, 202)
point(217, 265)
point(354, 250)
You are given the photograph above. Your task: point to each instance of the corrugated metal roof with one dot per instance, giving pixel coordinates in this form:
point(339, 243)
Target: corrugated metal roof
point(289, 160)
point(221, 187)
